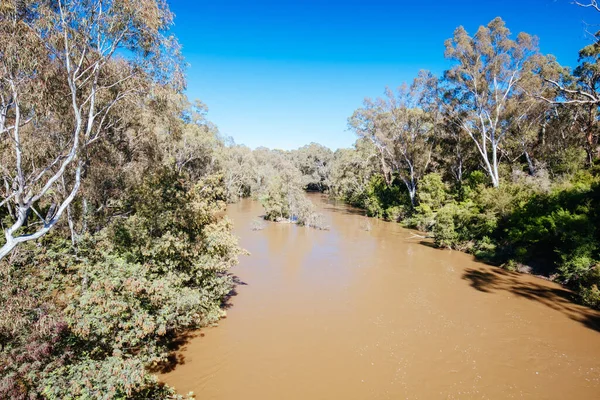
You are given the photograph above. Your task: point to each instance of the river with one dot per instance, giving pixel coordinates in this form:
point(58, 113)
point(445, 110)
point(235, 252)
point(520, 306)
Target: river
point(359, 313)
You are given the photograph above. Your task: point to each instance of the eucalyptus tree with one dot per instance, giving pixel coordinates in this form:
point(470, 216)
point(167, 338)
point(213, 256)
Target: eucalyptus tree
point(580, 91)
point(190, 141)
point(454, 152)
point(239, 170)
point(351, 171)
point(495, 80)
point(65, 66)
point(402, 127)
point(314, 162)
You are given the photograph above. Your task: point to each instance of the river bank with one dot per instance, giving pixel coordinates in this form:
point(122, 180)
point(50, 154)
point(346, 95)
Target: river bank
point(375, 314)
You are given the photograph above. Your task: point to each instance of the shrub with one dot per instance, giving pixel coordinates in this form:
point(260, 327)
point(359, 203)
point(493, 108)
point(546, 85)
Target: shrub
point(432, 191)
point(110, 310)
point(444, 230)
point(373, 207)
point(567, 161)
point(395, 213)
point(590, 296)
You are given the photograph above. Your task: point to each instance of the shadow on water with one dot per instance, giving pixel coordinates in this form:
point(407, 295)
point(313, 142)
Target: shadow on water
point(176, 345)
point(226, 304)
point(495, 280)
point(345, 210)
point(429, 244)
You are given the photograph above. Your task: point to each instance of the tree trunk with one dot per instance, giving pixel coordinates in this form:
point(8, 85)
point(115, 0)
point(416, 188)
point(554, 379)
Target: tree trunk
point(7, 248)
point(529, 163)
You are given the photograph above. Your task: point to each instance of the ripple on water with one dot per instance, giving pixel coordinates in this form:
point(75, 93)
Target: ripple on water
point(357, 314)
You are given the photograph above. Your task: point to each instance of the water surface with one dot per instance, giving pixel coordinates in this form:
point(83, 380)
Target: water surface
point(352, 313)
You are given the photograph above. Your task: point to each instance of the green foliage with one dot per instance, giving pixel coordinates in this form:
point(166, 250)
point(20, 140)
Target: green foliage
point(444, 230)
point(555, 231)
point(486, 249)
point(557, 228)
point(459, 225)
point(126, 293)
point(473, 182)
point(432, 191)
point(284, 198)
point(395, 213)
point(568, 161)
point(589, 287)
point(239, 169)
point(352, 171)
point(314, 162)
point(432, 194)
point(380, 197)
point(275, 200)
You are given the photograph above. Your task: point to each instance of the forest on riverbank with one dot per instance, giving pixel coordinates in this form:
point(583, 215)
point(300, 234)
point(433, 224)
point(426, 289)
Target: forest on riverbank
point(498, 157)
point(113, 184)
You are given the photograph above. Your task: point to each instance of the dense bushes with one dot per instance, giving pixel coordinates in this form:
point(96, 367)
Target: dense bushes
point(104, 314)
point(527, 223)
point(382, 200)
point(501, 164)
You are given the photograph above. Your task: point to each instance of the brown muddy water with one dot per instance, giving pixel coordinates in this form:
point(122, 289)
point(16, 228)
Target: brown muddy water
point(352, 313)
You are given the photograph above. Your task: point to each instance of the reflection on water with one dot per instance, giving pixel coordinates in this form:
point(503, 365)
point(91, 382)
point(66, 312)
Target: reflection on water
point(351, 313)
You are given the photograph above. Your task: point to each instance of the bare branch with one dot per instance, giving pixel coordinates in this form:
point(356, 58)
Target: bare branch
point(591, 99)
point(592, 4)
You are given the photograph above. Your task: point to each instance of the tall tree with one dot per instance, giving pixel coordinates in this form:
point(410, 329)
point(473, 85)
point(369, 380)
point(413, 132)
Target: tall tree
point(582, 90)
point(314, 161)
point(351, 171)
point(491, 80)
point(401, 126)
point(64, 67)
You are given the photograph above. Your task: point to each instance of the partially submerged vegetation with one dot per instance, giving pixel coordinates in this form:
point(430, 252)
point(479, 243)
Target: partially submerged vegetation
point(498, 157)
point(112, 192)
point(112, 197)
point(279, 179)
point(120, 181)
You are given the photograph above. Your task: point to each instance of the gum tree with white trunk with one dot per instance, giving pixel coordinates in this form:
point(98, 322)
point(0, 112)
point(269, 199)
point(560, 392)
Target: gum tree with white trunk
point(64, 66)
point(494, 80)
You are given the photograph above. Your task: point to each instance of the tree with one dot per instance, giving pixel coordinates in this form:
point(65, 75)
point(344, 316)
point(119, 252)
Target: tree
point(582, 90)
point(239, 171)
point(314, 161)
point(351, 171)
point(402, 128)
point(190, 140)
point(493, 81)
point(454, 152)
point(64, 68)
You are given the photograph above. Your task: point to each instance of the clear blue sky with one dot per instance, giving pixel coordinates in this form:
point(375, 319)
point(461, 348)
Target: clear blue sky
point(285, 73)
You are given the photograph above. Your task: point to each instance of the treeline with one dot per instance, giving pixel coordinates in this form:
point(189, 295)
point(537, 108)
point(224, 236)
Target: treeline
point(112, 184)
point(278, 179)
point(112, 192)
point(497, 157)
point(111, 196)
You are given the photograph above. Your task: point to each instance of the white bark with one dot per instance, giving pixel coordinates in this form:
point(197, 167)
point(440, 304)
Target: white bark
point(27, 189)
